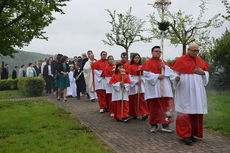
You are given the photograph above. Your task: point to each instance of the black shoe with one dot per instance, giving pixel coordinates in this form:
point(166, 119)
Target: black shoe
point(134, 117)
point(125, 120)
point(78, 98)
point(87, 95)
point(187, 141)
point(144, 117)
point(58, 99)
point(93, 100)
point(193, 139)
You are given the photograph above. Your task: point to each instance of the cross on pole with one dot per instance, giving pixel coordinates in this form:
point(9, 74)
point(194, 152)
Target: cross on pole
point(162, 4)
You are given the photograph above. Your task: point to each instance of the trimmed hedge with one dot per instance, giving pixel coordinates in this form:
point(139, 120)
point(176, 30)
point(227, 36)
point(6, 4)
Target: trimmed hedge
point(8, 84)
point(31, 86)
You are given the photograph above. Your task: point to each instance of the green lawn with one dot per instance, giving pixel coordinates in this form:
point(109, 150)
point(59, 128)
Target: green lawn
point(10, 94)
point(39, 126)
point(218, 117)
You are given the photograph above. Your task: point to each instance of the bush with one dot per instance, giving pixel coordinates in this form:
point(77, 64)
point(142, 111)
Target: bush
point(31, 86)
point(8, 84)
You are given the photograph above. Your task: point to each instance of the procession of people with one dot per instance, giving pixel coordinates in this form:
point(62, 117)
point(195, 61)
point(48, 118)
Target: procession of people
point(131, 89)
point(136, 90)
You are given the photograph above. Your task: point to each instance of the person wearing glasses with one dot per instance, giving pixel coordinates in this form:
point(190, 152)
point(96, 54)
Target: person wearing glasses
point(99, 81)
point(160, 102)
point(190, 94)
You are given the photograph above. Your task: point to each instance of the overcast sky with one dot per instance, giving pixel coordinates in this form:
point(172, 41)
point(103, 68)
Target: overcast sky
point(84, 25)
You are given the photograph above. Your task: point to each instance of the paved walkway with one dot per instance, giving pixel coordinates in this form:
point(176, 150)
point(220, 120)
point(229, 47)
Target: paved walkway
point(134, 136)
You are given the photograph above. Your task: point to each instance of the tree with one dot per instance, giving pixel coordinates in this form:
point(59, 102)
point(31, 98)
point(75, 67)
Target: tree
point(126, 30)
point(184, 29)
point(23, 20)
point(221, 62)
point(227, 5)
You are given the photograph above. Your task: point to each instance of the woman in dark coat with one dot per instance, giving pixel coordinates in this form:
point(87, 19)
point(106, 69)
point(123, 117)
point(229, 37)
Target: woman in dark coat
point(63, 78)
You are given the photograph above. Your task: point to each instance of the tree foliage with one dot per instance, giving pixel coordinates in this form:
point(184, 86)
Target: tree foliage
point(227, 5)
point(23, 20)
point(184, 29)
point(221, 62)
point(126, 30)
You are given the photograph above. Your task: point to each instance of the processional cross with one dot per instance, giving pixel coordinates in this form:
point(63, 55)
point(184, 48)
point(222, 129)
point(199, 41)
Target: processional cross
point(163, 26)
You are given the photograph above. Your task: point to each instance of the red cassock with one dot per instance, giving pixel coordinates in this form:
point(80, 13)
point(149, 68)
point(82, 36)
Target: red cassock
point(101, 94)
point(133, 99)
point(188, 125)
point(157, 107)
point(125, 64)
point(108, 72)
point(118, 103)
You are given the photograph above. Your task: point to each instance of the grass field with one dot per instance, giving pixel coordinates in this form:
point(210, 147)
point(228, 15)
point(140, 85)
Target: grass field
point(10, 94)
point(39, 126)
point(218, 117)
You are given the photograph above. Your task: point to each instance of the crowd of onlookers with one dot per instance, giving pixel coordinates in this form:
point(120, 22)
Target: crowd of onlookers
point(50, 69)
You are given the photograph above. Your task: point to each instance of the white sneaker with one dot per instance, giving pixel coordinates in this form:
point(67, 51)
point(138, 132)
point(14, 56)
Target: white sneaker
point(112, 115)
point(153, 129)
point(101, 110)
point(168, 130)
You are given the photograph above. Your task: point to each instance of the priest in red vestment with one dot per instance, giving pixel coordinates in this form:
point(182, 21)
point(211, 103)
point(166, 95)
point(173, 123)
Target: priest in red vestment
point(190, 94)
point(99, 80)
point(159, 105)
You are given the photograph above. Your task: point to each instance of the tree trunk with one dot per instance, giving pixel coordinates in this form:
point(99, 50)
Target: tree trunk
point(184, 49)
point(127, 52)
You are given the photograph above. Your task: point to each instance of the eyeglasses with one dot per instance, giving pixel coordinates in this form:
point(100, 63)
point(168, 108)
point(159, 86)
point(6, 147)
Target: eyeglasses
point(194, 50)
point(104, 54)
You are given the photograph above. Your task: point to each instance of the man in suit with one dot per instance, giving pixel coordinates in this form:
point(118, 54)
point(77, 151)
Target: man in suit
point(14, 72)
point(78, 75)
point(37, 68)
point(5, 72)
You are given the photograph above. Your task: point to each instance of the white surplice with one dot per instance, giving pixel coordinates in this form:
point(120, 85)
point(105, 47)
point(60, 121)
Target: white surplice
point(117, 92)
point(134, 86)
point(99, 81)
point(108, 88)
point(153, 85)
point(72, 89)
point(190, 94)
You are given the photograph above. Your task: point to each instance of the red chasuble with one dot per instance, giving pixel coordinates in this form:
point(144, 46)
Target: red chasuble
point(125, 64)
point(187, 64)
point(153, 65)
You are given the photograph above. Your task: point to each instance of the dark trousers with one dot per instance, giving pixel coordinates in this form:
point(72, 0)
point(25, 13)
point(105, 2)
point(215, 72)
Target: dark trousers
point(49, 84)
point(79, 87)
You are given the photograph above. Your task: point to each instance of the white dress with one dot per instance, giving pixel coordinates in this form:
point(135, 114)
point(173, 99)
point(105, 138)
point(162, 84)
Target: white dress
point(72, 89)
